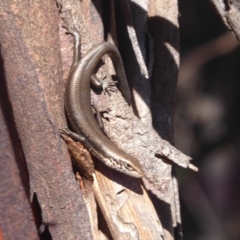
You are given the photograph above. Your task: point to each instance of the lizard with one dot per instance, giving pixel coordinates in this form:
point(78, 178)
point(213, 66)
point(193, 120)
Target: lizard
point(79, 110)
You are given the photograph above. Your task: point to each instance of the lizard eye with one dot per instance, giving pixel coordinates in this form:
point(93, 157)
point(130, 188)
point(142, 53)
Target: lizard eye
point(129, 167)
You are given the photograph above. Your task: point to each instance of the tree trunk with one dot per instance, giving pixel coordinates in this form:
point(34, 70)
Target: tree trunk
point(36, 58)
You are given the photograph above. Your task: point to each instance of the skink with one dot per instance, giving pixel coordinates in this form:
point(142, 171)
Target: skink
point(79, 110)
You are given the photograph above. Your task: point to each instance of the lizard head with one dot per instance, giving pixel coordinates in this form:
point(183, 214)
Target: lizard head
point(126, 164)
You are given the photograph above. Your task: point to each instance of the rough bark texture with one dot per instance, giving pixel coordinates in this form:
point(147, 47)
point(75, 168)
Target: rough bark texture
point(31, 56)
point(15, 209)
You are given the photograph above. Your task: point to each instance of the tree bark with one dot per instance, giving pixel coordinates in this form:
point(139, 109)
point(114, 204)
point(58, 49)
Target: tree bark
point(37, 55)
point(32, 64)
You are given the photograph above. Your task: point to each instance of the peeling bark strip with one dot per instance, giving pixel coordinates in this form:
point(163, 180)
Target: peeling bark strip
point(164, 32)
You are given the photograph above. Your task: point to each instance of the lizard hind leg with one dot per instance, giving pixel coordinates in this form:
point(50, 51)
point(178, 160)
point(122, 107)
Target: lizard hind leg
point(75, 136)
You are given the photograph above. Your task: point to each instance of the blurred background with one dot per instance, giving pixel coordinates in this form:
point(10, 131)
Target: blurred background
point(207, 126)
